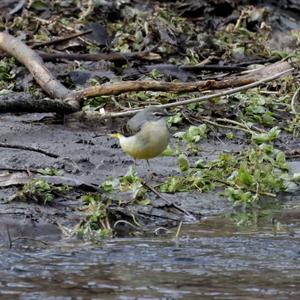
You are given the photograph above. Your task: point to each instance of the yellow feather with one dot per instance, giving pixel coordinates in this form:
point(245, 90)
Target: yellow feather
point(149, 142)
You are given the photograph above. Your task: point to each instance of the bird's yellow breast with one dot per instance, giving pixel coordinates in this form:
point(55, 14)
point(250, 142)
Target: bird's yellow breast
point(150, 141)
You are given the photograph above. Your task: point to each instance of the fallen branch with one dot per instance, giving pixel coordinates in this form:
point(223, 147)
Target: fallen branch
point(73, 99)
point(98, 116)
point(22, 102)
point(233, 81)
point(35, 65)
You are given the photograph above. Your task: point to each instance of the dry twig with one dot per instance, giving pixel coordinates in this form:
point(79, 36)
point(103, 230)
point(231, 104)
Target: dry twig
point(61, 39)
point(294, 99)
point(27, 148)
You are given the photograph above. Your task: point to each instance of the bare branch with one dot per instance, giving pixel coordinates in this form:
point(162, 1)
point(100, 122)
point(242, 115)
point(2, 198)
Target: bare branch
point(100, 116)
point(34, 64)
point(133, 86)
point(23, 102)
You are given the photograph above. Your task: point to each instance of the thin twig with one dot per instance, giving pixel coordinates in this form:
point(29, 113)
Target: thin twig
point(124, 222)
point(27, 148)
point(227, 92)
point(240, 124)
point(9, 238)
point(155, 231)
point(117, 104)
point(61, 39)
point(107, 223)
point(294, 99)
point(207, 120)
point(152, 189)
point(215, 68)
point(178, 230)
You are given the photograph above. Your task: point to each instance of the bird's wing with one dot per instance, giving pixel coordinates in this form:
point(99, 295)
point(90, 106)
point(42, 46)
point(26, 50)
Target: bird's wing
point(135, 124)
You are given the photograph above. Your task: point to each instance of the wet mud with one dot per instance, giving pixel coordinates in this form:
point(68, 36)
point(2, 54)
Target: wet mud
point(87, 158)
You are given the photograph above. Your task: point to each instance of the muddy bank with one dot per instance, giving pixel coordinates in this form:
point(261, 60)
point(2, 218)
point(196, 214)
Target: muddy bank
point(191, 41)
point(86, 159)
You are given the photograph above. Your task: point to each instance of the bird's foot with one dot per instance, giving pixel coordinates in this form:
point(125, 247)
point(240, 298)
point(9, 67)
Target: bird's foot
point(152, 174)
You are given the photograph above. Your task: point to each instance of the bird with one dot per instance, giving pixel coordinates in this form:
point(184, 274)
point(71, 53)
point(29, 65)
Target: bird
point(149, 134)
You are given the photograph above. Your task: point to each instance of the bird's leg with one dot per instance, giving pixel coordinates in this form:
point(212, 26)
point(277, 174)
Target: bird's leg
point(150, 172)
point(149, 167)
point(134, 163)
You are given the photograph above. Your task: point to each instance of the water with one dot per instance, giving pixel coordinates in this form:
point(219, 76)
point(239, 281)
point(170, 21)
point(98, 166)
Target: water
point(211, 260)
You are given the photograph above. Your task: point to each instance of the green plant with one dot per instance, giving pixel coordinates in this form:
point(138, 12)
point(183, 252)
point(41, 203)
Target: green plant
point(96, 224)
point(192, 136)
point(260, 171)
point(50, 171)
point(41, 191)
point(130, 182)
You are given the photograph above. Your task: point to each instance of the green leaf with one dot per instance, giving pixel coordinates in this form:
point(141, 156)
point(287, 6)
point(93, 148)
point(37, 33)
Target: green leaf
point(131, 176)
point(244, 176)
point(144, 202)
point(109, 185)
point(168, 151)
point(230, 136)
point(89, 198)
point(270, 136)
point(296, 177)
point(280, 160)
point(194, 134)
point(183, 163)
point(49, 171)
point(38, 5)
point(173, 184)
point(200, 164)
point(176, 119)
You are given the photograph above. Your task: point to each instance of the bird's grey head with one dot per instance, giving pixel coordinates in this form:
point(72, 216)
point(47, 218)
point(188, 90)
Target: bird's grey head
point(150, 113)
point(154, 113)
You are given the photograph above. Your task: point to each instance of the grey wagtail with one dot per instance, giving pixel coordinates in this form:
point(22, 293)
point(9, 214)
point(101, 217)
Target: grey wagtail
point(149, 134)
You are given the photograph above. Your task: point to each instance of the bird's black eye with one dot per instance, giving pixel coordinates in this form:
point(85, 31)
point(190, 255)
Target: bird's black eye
point(157, 114)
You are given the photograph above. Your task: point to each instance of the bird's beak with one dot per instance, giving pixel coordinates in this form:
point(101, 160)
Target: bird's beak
point(116, 135)
point(167, 114)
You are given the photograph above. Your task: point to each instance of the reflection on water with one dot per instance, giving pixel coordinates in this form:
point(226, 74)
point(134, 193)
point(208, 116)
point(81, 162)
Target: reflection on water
point(211, 260)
